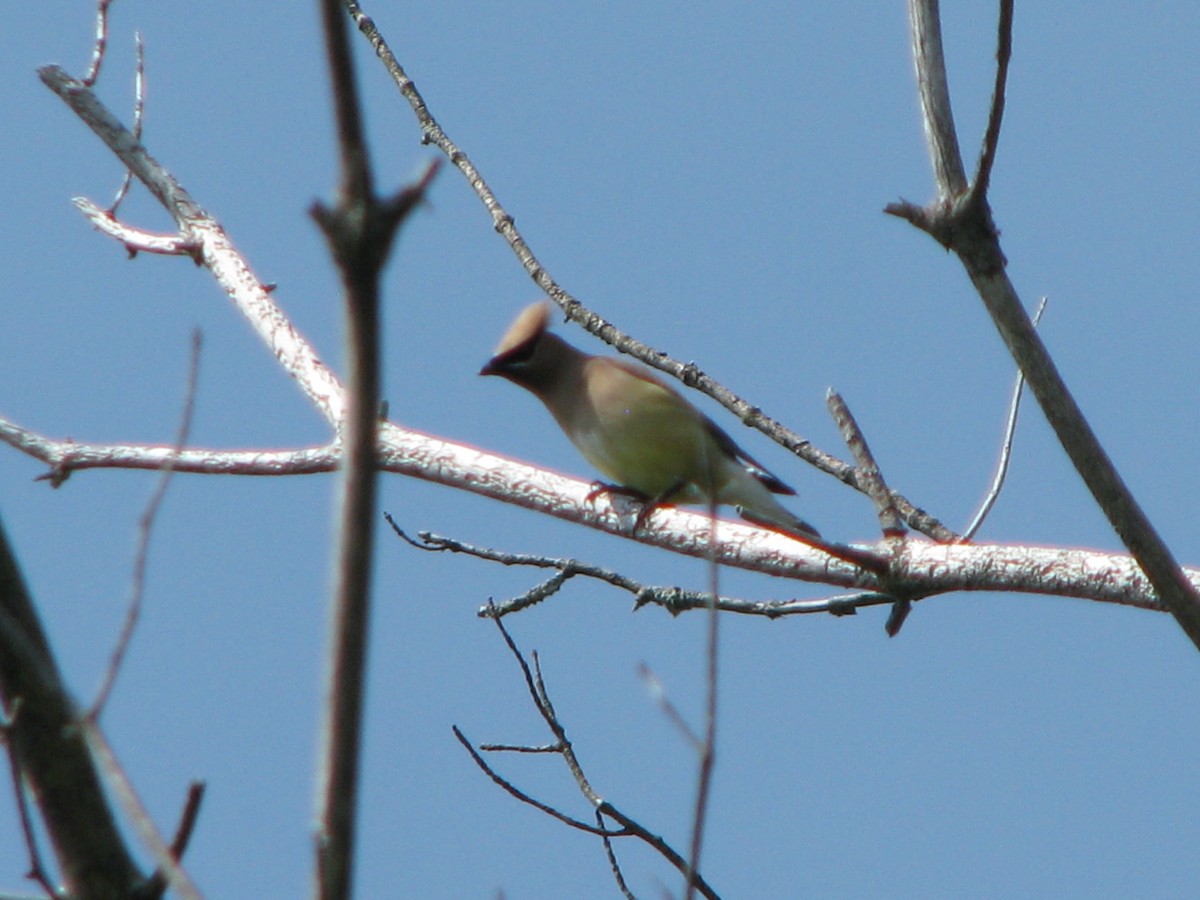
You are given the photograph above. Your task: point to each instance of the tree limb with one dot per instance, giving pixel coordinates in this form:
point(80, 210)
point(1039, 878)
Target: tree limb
point(961, 219)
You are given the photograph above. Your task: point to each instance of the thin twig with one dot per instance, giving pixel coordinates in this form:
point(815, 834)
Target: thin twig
point(146, 527)
point(521, 748)
point(611, 852)
point(139, 109)
point(872, 477)
point(877, 490)
point(659, 845)
point(673, 599)
point(707, 748)
point(541, 700)
point(515, 791)
point(37, 871)
point(156, 885)
point(127, 795)
point(659, 694)
point(187, 821)
point(991, 137)
point(100, 44)
point(1006, 446)
point(137, 240)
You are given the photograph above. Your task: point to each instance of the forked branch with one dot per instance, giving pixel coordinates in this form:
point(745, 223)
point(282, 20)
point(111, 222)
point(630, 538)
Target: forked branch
point(960, 218)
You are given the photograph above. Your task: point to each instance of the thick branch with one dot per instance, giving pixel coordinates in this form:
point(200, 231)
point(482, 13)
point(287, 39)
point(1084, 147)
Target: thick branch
point(1112, 495)
point(360, 230)
point(964, 224)
point(933, 88)
point(919, 567)
point(49, 745)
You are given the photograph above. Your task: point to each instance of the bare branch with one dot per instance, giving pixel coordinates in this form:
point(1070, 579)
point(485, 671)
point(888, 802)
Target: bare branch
point(966, 227)
point(136, 240)
point(877, 490)
point(51, 752)
point(515, 791)
point(213, 247)
point(933, 87)
point(139, 111)
point(157, 883)
point(145, 527)
point(927, 569)
point(119, 783)
point(187, 821)
point(631, 827)
point(37, 871)
point(991, 137)
point(613, 865)
point(360, 230)
point(873, 480)
point(100, 44)
point(673, 599)
point(418, 455)
point(1006, 445)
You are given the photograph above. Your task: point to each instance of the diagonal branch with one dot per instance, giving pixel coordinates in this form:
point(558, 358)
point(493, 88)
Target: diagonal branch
point(991, 137)
point(1006, 445)
point(689, 373)
point(536, 686)
point(145, 528)
point(964, 224)
point(933, 88)
point(213, 247)
point(52, 753)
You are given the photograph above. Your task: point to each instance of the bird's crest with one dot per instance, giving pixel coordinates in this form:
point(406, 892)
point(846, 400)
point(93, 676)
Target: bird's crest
point(525, 329)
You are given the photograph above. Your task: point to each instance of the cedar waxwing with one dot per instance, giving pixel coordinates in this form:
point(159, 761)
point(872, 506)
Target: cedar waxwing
point(636, 429)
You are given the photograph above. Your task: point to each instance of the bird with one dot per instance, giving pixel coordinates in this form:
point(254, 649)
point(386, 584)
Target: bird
point(637, 430)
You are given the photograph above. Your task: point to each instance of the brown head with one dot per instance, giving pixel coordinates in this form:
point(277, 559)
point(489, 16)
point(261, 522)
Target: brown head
point(529, 355)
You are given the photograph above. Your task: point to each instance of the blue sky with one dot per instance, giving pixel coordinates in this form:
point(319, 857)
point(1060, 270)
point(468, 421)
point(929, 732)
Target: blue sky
point(711, 179)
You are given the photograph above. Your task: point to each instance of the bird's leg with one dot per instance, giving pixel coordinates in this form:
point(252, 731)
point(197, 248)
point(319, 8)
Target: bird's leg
point(653, 503)
point(649, 504)
point(603, 487)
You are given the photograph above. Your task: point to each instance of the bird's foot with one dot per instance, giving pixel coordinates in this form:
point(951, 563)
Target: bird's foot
point(603, 487)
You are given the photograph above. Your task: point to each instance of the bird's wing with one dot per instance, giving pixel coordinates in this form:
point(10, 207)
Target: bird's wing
point(724, 441)
point(730, 446)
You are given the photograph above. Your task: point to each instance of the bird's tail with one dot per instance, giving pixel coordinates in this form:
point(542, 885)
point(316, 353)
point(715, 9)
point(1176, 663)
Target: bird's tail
point(781, 520)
